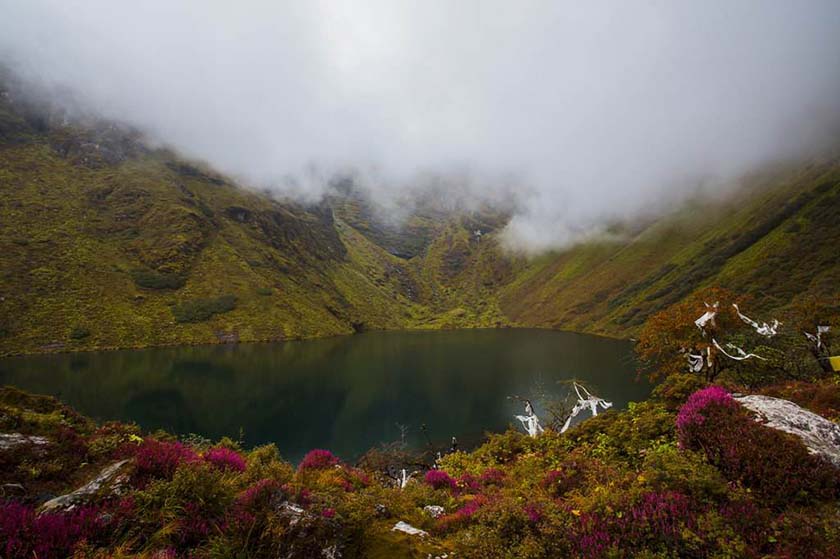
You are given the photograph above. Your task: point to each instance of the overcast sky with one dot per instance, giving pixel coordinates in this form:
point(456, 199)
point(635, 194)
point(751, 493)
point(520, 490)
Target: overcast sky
point(589, 110)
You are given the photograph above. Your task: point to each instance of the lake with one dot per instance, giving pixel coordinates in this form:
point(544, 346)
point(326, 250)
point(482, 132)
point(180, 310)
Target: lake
point(345, 394)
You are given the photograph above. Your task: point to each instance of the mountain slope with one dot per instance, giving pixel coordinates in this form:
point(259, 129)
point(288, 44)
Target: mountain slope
point(776, 238)
point(107, 243)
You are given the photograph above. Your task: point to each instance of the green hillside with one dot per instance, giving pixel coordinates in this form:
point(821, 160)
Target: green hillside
point(775, 239)
point(107, 243)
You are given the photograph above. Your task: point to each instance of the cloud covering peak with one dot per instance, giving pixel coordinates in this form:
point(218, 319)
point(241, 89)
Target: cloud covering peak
point(589, 110)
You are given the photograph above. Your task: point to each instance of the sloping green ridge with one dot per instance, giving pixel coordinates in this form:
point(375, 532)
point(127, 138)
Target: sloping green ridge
point(775, 239)
point(105, 243)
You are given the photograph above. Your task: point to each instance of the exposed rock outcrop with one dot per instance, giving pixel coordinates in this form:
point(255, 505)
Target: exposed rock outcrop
point(9, 441)
point(109, 476)
point(408, 529)
point(819, 435)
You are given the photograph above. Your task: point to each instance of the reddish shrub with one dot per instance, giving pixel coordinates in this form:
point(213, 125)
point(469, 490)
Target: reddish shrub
point(359, 478)
point(440, 480)
point(158, 459)
point(560, 482)
point(194, 527)
point(24, 535)
point(492, 476)
point(692, 413)
point(751, 523)
point(774, 464)
point(533, 512)
point(806, 536)
point(449, 522)
point(225, 459)
point(328, 513)
point(468, 483)
point(258, 494)
point(318, 459)
point(656, 521)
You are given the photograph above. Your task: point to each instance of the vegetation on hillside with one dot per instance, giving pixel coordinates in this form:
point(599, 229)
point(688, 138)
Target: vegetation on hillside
point(688, 473)
point(101, 234)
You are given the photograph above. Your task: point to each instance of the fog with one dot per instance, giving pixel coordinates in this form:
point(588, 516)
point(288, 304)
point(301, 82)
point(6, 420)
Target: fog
point(584, 111)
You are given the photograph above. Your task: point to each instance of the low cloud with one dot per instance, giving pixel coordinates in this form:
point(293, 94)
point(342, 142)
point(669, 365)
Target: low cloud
point(587, 112)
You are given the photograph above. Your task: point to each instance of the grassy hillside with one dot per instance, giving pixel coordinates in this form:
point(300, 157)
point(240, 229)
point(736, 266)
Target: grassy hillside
point(107, 243)
point(775, 239)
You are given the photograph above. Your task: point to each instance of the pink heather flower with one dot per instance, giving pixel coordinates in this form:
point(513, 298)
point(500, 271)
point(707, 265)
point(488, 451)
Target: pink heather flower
point(225, 459)
point(258, 492)
point(328, 513)
point(23, 534)
point(551, 478)
point(691, 413)
point(492, 476)
point(533, 512)
point(440, 480)
point(468, 483)
point(304, 497)
point(360, 477)
point(318, 459)
point(159, 459)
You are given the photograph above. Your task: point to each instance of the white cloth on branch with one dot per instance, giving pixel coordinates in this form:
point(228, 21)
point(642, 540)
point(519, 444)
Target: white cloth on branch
point(404, 477)
point(708, 316)
point(763, 329)
point(585, 400)
point(817, 339)
point(530, 422)
point(742, 355)
point(695, 362)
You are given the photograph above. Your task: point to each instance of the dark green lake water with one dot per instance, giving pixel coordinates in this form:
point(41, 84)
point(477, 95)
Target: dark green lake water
point(346, 394)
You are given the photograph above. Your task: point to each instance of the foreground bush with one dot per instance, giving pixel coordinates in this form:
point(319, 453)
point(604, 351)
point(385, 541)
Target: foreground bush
point(774, 464)
point(650, 482)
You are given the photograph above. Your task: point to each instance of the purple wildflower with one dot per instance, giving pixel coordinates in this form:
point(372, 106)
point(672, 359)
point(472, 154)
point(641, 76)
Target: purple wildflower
point(318, 459)
point(225, 459)
point(440, 480)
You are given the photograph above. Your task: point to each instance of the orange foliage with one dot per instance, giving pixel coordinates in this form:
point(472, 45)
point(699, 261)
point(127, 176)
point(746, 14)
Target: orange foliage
point(669, 335)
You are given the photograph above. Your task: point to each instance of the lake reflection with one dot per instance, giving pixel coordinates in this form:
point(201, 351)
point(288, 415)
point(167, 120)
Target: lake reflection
point(345, 394)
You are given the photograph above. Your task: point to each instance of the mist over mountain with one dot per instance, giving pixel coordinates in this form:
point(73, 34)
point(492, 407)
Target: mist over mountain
point(574, 115)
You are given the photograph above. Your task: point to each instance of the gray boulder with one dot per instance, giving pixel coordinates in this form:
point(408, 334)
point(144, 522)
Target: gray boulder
point(820, 436)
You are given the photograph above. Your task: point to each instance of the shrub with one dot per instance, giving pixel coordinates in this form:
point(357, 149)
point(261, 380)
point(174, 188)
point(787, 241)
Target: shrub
point(24, 535)
point(318, 459)
point(199, 310)
point(258, 494)
point(159, 459)
point(265, 291)
point(463, 515)
point(440, 480)
point(560, 482)
point(492, 476)
point(225, 459)
point(151, 279)
point(691, 415)
point(657, 521)
point(774, 464)
point(191, 506)
point(79, 333)
point(676, 388)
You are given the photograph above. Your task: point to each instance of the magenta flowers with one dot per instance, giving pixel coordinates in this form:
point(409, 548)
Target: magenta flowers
point(318, 459)
point(440, 480)
point(225, 459)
